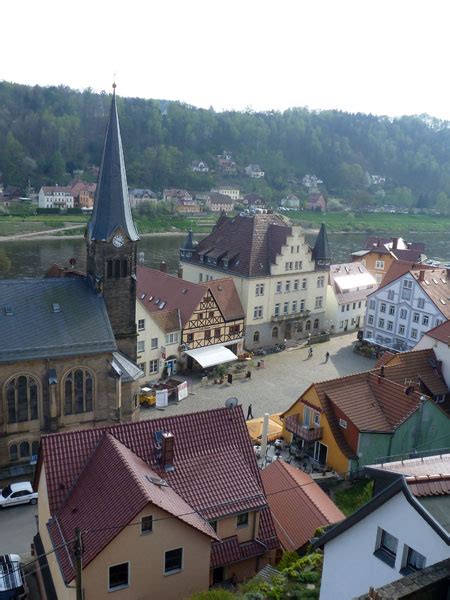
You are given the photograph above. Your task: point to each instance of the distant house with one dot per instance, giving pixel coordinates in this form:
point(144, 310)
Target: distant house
point(83, 194)
point(348, 287)
point(254, 172)
point(174, 194)
point(219, 202)
point(438, 339)
point(140, 196)
point(190, 207)
point(290, 201)
point(298, 505)
point(253, 201)
point(199, 166)
point(56, 197)
point(311, 181)
point(316, 201)
point(403, 529)
point(231, 191)
point(226, 164)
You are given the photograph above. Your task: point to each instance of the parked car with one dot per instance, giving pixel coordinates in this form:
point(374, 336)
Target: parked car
point(12, 580)
point(18, 493)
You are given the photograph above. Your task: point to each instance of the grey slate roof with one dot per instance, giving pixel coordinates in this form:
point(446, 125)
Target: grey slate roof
point(36, 329)
point(321, 250)
point(112, 205)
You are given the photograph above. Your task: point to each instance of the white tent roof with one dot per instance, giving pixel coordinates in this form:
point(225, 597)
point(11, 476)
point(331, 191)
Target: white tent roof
point(212, 355)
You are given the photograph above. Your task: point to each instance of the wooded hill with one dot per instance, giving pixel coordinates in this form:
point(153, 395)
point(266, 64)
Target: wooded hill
point(48, 132)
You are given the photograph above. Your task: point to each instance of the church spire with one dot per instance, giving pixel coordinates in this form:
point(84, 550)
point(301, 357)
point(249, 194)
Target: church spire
point(321, 251)
point(112, 210)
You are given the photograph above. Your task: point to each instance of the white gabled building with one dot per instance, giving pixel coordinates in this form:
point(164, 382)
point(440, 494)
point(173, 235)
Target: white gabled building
point(56, 197)
point(348, 287)
point(408, 303)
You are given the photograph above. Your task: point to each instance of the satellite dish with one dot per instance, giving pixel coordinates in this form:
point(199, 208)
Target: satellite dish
point(231, 402)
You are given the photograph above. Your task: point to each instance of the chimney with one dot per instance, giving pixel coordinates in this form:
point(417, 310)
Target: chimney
point(421, 275)
point(394, 243)
point(163, 266)
point(382, 371)
point(167, 443)
point(180, 272)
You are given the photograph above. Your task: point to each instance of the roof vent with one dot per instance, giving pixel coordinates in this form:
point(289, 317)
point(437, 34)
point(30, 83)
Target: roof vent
point(435, 281)
point(8, 310)
point(56, 307)
point(220, 288)
point(143, 296)
point(184, 291)
point(157, 300)
point(157, 481)
point(150, 298)
point(162, 305)
point(442, 301)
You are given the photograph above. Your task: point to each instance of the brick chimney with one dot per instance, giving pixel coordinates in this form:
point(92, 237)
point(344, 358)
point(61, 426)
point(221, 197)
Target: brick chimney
point(163, 266)
point(421, 275)
point(167, 443)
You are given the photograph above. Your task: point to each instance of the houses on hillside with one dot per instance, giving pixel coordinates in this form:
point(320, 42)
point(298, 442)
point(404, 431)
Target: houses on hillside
point(170, 505)
point(141, 196)
point(359, 419)
point(290, 201)
point(379, 254)
point(217, 203)
point(348, 287)
point(226, 164)
point(254, 171)
point(316, 202)
point(228, 190)
point(56, 197)
point(199, 166)
point(410, 301)
point(403, 529)
point(184, 325)
point(280, 280)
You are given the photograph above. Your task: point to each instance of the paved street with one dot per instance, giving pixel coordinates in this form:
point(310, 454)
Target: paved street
point(17, 529)
point(285, 376)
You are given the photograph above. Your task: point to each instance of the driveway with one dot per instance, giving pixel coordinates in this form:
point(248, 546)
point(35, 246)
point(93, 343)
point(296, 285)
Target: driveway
point(273, 389)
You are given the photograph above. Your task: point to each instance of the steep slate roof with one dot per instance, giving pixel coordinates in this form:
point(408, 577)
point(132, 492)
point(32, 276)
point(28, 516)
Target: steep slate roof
point(36, 330)
point(114, 486)
point(112, 206)
point(321, 251)
point(250, 244)
point(215, 467)
point(189, 243)
point(298, 505)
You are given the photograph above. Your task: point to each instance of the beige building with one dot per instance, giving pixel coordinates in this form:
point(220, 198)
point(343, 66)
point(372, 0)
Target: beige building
point(218, 203)
point(181, 507)
point(228, 190)
point(281, 281)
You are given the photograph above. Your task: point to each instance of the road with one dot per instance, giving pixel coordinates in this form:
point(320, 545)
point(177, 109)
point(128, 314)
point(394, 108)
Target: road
point(42, 233)
point(17, 529)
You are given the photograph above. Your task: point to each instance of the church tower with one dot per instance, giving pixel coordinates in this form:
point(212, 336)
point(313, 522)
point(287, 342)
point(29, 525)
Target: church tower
point(112, 239)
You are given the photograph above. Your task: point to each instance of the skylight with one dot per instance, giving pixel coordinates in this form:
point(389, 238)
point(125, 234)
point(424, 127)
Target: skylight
point(56, 307)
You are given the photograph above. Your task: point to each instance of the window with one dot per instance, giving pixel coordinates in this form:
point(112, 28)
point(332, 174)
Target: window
point(390, 326)
point(304, 284)
point(316, 419)
point(142, 367)
point(119, 576)
point(407, 283)
point(319, 302)
point(347, 307)
point(260, 289)
point(78, 386)
point(24, 450)
point(294, 306)
point(141, 346)
point(412, 561)
point(277, 310)
point(420, 302)
point(278, 289)
point(275, 332)
point(425, 320)
point(286, 266)
point(22, 399)
point(392, 310)
point(321, 281)
point(234, 329)
point(217, 332)
point(379, 264)
point(372, 304)
point(34, 448)
point(242, 520)
point(173, 561)
point(256, 336)
point(207, 334)
point(380, 322)
point(154, 343)
point(386, 548)
point(296, 285)
point(354, 305)
point(308, 326)
point(383, 308)
point(258, 312)
point(286, 308)
point(153, 366)
point(302, 305)
point(416, 317)
point(391, 294)
point(403, 313)
point(401, 330)
point(414, 334)
point(141, 324)
point(359, 304)
point(343, 308)
point(172, 338)
point(116, 268)
point(368, 334)
point(199, 316)
point(147, 524)
point(378, 277)
point(287, 286)
point(316, 324)
point(370, 319)
point(200, 277)
point(13, 454)
point(343, 423)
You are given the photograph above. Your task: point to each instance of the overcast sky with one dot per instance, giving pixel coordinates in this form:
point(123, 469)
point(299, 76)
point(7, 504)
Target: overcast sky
point(384, 57)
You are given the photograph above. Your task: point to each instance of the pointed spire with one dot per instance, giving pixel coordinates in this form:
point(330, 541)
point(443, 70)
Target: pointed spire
point(189, 243)
point(112, 206)
point(321, 250)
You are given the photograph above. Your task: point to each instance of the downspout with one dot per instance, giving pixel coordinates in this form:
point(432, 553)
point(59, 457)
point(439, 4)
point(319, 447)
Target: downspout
point(419, 424)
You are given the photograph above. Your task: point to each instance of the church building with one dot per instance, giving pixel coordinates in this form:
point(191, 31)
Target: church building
point(68, 344)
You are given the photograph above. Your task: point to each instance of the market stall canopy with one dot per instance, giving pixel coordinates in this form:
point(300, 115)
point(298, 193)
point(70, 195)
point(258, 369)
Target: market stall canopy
point(274, 431)
point(212, 355)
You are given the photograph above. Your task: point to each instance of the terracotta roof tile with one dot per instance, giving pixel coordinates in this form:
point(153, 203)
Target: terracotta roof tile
point(419, 367)
point(225, 294)
point(229, 551)
point(434, 485)
point(441, 332)
point(167, 320)
point(298, 505)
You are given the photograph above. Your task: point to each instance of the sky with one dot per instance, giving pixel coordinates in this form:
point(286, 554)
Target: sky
point(381, 57)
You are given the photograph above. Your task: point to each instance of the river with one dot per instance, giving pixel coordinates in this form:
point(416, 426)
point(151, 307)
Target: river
point(32, 258)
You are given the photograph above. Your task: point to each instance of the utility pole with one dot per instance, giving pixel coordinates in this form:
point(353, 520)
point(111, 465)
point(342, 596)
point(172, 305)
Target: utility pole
point(78, 550)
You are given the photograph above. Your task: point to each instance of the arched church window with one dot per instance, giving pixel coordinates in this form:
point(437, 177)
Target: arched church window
point(78, 389)
point(22, 399)
point(24, 449)
point(13, 453)
point(109, 268)
point(34, 448)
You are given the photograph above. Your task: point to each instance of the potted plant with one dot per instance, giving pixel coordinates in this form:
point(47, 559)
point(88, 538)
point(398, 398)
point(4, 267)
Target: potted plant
point(220, 373)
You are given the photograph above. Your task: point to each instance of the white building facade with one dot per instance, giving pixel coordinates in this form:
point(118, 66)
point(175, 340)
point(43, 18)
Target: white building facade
point(56, 197)
point(400, 312)
point(233, 192)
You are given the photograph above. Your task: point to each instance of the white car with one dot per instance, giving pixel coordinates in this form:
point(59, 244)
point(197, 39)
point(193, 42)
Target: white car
point(12, 580)
point(18, 493)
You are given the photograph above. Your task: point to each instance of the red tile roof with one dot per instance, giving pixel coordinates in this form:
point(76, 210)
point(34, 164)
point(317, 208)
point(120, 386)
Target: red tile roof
point(441, 332)
point(229, 551)
point(225, 294)
point(298, 505)
point(419, 368)
point(433, 485)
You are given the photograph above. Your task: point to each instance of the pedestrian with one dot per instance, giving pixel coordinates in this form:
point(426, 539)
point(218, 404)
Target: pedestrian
point(310, 352)
point(249, 412)
point(327, 356)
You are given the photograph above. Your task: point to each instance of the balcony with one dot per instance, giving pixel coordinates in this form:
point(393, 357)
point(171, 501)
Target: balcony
point(291, 316)
point(294, 424)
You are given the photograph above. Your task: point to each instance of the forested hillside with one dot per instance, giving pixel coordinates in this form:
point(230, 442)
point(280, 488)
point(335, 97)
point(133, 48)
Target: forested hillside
point(47, 133)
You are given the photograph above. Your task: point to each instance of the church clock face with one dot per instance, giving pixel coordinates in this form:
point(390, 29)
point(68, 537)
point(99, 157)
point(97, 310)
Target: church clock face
point(118, 240)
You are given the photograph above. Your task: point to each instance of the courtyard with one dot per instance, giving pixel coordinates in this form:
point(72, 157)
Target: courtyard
point(275, 387)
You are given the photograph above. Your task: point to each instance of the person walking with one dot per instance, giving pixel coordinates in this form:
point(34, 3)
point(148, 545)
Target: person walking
point(327, 356)
point(249, 412)
point(310, 352)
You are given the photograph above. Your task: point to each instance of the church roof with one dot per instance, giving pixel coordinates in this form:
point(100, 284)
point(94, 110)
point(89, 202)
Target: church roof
point(189, 243)
point(112, 206)
point(45, 318)
point(321, 250)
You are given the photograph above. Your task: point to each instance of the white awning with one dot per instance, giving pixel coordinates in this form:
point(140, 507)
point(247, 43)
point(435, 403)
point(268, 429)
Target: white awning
point(212, 355)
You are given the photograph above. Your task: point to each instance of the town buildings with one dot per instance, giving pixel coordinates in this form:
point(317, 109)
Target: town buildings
point(140, 196)
point(226, 164)
point(290, 201)
point(280, 280)
point(56, 197)
point(409, 302)
point(348, 287)
point(402, 530)
point(254, 172)
point(175, 194)
point(177, 318)
point(316, 201)
point(253, 201)
point(216, 202)
point(83, 194)
point(167, 506)
point(68, 345)
point(199, 166)
point(379, 254)
point(438, 339)
point(229, 190)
